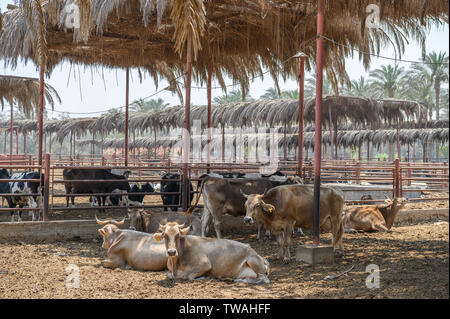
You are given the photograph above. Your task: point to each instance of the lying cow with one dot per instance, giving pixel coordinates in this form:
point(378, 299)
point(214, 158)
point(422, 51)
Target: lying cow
point(147, 221)
point(24, 188)
point(128, 248)
point(222, 196)
point(191, 257)
point(280, 208)
point(373, 218)
point(93, 186)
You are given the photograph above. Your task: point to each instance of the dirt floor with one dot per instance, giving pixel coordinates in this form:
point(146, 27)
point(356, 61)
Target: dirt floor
point(413, 262)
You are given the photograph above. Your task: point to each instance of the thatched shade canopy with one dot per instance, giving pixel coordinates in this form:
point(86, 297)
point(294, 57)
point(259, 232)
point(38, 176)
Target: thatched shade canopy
point(237, 37)
point(24, 92)
point(79, 127)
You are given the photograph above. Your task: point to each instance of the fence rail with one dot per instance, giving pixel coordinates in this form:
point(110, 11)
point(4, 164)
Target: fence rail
point(398, 177)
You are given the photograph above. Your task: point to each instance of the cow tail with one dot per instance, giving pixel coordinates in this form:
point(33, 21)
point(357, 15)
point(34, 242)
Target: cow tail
point(191, 209)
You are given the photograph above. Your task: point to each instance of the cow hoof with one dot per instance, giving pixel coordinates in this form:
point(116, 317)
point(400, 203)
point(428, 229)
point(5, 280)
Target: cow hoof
point(286, 260)
point(170, 276)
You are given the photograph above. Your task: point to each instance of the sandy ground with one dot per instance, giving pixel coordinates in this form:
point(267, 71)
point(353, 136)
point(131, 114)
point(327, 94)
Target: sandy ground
point(413, 262)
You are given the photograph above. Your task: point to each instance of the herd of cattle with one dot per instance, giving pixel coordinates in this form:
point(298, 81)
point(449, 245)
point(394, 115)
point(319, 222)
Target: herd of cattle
point(178, 241)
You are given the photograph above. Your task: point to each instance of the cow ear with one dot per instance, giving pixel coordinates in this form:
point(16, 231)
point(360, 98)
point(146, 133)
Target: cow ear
point(161, 228)
point(268, 208)
point(158, 237)
point(102, 231)
point(184, 231)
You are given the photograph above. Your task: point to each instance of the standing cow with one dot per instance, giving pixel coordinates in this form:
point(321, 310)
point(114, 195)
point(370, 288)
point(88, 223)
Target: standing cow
point(169, 186)
point(280, 208)
point(222, 196)
point(22, 187)
point(92, 186)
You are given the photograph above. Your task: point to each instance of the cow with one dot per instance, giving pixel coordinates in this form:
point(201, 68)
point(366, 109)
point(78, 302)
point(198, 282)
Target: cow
point(148, 221)
point(373, 217)
point(121, 200)
point(282, 207)
point(191, 257)
point(128, 248)
point(93, 187)
point(172, 187)
point(222, 196)
point(22, 188)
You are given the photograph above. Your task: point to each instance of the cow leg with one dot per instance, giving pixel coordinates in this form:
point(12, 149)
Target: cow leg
point(255, 270)
point(217, 226)
point(381, 227)
point(287, 242)
point(108, 263)
point(19, 218)
point(206, 217)
point(337, 232)
point(279, 237)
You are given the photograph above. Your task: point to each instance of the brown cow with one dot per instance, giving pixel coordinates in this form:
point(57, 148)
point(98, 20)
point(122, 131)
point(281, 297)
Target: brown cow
point(191, 257)
point(128, 248)
point(148, 221)
point(282, 207)
point(373, 218)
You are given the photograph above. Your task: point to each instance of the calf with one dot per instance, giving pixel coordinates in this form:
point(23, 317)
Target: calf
point(373, 218)
point(282, 207)
point(147, 221)
point(128, 248)
point(191, 257)
point(121, 200)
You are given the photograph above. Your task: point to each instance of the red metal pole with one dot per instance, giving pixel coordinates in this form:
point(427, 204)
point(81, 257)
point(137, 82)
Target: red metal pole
point(41, 112)
point(187, 127)
point(46, 186)
point(11, 139)
point(209, 95)
point(399, 151)
point(300, 118)
point(127, 87)
point(318, 119)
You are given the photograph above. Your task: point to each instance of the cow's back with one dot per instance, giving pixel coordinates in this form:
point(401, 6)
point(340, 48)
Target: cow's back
point(296, 202)
point(226, 256)
point(139, 250)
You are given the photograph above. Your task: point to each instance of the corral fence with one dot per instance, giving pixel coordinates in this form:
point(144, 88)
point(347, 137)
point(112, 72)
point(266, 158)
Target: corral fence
point(397, 178)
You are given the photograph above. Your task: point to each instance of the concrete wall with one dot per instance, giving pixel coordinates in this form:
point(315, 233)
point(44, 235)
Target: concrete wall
point(88, 229)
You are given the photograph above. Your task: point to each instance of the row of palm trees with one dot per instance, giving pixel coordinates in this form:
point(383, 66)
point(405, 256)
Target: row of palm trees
point(420, 82)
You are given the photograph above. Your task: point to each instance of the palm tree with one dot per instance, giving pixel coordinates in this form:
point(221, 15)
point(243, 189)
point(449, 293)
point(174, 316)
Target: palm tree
point(290, 94)
point(387, 81)
point(360, 87)
point(271, 94)
point(443, 100)
point(310, 87)
point(151, 106)
point(436, 69)
point(233, 96)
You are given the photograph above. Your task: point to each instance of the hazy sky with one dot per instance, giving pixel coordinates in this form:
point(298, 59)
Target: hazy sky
point(84, 92)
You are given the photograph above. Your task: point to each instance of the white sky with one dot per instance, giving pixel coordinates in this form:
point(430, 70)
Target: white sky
point(99, 95)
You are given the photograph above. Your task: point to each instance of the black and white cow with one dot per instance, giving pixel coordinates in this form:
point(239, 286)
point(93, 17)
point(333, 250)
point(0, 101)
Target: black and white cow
point(20, 187)
point(121, 200)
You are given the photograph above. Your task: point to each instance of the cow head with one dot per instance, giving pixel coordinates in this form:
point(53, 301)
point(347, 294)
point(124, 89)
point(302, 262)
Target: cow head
point(256, 208)
point(108, 229)
point(137, 219)
point(397, 202)
point(4, 173)
point(172, 233)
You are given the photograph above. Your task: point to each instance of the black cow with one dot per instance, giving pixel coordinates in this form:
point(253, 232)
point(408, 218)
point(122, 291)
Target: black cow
point(93, 187)
point(22, 188)
point(172, 186)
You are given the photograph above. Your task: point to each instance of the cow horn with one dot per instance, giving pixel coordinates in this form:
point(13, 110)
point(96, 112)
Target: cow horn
point(121, 222)
point(180, 226)
point(99, 221)
point(243, 194)
point(265, 192)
